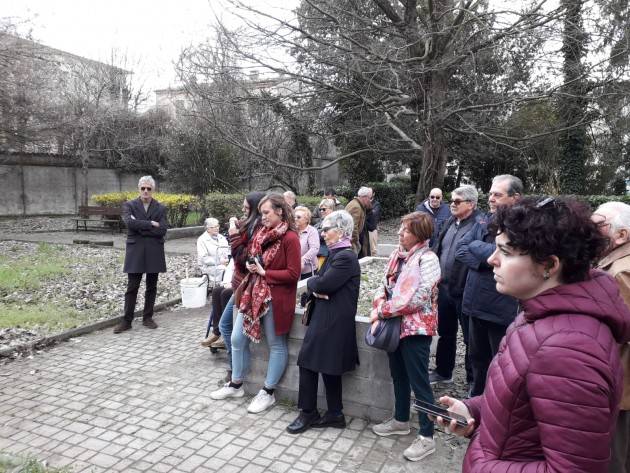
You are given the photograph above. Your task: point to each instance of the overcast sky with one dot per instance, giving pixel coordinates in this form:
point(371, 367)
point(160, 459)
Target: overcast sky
point(151, 33)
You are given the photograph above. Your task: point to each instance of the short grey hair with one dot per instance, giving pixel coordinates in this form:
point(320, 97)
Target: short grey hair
point(146, 180)
point(340, 219)
point(468, 193)
point(620, 215)
point(289, 194)
point(515, 185)
point(211, 222)
point(328, 203)
point(364, 192)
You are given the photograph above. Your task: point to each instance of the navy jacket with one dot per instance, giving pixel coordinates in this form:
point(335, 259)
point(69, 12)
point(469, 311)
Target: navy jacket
point(440, 216)
point(144, 252)
point(458, 273)
point(481, 298)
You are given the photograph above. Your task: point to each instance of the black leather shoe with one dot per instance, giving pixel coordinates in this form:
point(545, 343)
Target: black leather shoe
point(303, 422)
point(149, 323)
point(330, 420)
point(123, 326)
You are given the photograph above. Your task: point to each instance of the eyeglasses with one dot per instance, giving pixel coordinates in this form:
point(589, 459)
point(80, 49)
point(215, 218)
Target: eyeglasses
point(456, 202)
point(145, 189)
point(435, 197)
point(323, 209)
point(327, 229)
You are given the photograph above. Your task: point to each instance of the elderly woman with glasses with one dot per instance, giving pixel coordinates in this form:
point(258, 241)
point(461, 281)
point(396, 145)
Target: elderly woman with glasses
point(325, 208)
point(553, 389)
point(309, 241)
point(330, 344)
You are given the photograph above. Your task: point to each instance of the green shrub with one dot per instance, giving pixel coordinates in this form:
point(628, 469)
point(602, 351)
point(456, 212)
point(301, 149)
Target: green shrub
point(222, 207)
point(177, 205)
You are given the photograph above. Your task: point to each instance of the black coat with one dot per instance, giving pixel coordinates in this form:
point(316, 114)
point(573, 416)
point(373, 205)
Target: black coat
point(330, 343)
point(145, 244)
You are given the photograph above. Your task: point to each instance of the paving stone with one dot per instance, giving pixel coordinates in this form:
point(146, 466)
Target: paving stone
point(108, 403)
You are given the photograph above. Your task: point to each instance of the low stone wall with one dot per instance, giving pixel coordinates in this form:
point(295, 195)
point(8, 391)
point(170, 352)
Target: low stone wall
point(367, 391)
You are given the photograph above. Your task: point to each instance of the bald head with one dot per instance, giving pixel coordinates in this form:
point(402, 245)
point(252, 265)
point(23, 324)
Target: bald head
point(435, 197)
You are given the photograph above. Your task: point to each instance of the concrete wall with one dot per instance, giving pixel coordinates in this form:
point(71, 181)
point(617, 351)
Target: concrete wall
point(368, 391)
point(45, 185)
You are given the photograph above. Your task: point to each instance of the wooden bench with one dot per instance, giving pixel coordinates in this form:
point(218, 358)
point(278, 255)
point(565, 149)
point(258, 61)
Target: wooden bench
point(110, 217)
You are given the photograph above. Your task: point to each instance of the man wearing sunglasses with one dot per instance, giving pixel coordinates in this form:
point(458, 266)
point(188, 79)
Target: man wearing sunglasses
point(145, 219)
point(438, 211)
point(489, 312)
point(464, 214)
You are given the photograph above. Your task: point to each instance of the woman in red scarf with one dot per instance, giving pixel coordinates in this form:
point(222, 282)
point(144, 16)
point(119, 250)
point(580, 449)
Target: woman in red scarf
point(266, 301)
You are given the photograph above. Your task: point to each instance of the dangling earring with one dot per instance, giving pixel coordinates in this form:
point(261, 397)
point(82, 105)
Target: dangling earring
point(546, 275)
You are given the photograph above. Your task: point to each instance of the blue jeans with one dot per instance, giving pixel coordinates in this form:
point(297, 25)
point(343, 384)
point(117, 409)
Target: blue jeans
point(225, 327)
point(409, 366)
point(278, 353)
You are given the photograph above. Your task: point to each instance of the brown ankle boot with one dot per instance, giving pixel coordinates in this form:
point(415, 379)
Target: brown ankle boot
point(149, 323)
point(122, 326)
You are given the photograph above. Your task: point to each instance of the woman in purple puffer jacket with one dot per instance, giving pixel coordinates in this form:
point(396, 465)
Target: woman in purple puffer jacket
point(553, 389)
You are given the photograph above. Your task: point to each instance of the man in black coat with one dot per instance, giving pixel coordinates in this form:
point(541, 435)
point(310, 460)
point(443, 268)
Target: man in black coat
point(464, 214)
point(145, 219)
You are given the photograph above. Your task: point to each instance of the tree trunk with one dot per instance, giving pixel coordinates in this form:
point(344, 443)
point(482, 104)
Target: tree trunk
point(84, 174)
point(572, 104)
point(434, 151)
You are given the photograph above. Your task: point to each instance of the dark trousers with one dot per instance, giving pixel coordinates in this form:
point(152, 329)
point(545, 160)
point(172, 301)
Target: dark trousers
point(449, 315)
point(307, 395)
point(220, 297)
point(484, 340)
point(409, 366)
point(620, 455)
point(133, 283)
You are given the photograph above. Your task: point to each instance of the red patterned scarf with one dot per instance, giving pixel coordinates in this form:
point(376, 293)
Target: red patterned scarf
point(256, 293)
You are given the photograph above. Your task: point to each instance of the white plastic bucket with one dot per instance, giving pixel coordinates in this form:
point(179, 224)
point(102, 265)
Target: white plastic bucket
point(194, 291)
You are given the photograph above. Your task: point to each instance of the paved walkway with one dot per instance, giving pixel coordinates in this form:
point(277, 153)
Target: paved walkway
point(139, 401)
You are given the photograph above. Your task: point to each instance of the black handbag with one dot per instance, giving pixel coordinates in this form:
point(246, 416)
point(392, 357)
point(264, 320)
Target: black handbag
point(308, 311)
point(386, 334)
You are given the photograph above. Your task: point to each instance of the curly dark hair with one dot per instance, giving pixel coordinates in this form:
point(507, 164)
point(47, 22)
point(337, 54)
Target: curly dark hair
point(548, 226)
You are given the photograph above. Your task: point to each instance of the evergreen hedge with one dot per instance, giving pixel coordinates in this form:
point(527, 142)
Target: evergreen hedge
point(177, 205)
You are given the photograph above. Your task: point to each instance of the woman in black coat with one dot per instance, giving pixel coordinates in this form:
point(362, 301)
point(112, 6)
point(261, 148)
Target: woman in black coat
point(330, 343)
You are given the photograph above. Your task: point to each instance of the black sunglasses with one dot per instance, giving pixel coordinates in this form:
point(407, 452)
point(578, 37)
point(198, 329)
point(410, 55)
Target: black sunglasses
point(145, 188)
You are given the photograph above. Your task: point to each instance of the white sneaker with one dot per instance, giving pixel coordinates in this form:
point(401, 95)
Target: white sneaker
point(227, 391)
point(391, 427)
point(420, 448)
point(261, 402)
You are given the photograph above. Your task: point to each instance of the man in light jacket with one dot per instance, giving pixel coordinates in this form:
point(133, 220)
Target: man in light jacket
point(613, 219)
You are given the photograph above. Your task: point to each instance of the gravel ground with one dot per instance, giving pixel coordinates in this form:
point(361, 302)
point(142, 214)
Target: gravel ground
point(14, 226)
point(94, 286)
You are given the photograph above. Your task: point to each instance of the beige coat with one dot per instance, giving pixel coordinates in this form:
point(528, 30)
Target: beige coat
point(356, 209)
point(617, 264)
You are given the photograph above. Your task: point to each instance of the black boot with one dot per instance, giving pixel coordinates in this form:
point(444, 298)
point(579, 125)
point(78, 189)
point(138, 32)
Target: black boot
point(303, 422)
point(122, 326)
point(148, 322)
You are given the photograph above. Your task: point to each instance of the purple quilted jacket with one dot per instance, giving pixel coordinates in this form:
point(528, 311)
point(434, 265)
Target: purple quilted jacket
point(553, 388)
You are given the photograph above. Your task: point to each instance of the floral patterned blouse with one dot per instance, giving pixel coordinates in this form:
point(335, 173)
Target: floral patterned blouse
point(412, 280)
